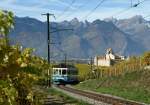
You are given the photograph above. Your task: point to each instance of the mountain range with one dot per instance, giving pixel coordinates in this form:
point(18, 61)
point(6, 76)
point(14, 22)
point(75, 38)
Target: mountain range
point(87, 39)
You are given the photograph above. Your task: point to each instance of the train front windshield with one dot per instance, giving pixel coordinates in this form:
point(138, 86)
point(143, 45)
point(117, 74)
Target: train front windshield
point(64, 72)
point(59, 71)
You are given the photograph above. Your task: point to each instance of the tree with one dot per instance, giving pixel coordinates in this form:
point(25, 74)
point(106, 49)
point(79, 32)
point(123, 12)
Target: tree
point(6, 23)
point(146, 58)
point(19, 69)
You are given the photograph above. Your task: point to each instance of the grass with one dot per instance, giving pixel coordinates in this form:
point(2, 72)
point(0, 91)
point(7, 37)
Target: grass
point(65, 98)
point(134, 86)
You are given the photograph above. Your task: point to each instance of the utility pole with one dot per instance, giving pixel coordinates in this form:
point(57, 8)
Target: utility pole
point(91, 64)
point(140, 63)
point(65, 59)
point(48, 44)
point(91, 68)
point(131, 3)
point(48, 35)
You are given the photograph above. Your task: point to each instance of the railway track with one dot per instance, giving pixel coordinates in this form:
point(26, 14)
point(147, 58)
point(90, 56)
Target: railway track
point(100, 97)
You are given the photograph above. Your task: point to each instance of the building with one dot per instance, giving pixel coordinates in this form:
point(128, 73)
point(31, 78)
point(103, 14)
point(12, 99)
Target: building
point(108, 59)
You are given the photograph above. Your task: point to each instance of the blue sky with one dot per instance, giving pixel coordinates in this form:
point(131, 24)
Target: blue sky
point(79, 8)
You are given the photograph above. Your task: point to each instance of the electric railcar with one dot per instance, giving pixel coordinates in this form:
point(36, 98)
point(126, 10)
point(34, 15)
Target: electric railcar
point(64, 75)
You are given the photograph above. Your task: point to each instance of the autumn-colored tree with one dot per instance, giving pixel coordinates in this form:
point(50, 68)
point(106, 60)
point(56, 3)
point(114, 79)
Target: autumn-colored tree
point(6, 23)
point(146, 58)
point(19, 69)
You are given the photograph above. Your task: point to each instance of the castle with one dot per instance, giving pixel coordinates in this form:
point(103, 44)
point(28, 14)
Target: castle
point(109, 59)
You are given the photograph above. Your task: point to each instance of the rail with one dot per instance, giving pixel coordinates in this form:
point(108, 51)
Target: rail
point(101, 97)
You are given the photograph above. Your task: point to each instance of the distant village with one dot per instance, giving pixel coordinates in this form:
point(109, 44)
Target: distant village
point(108, 59)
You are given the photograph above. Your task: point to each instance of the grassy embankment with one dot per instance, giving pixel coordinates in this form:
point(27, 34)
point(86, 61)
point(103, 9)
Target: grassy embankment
point(133, 86)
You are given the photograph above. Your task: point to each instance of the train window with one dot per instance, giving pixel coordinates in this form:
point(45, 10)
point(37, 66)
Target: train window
point(55, 71)
point(59, 72)
point(64, 72)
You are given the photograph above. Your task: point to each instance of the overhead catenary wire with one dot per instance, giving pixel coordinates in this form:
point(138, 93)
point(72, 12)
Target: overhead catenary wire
point(62, 51)
point(58, 30)
point(66, 9)
point(98, 5)
point(147, 16)
point(142, 1)
point(121, 12)
point(132, 6)
point(77, 9)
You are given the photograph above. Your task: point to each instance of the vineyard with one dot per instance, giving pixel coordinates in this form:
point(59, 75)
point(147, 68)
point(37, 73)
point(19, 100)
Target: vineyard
point(121, 68)
point(134, 86)
point(128, 79)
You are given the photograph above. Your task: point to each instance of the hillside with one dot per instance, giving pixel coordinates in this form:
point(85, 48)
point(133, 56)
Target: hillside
point(133, 86)
point(87, 38)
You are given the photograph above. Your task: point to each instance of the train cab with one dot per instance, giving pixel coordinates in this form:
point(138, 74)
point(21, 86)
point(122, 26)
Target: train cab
point(64, 75)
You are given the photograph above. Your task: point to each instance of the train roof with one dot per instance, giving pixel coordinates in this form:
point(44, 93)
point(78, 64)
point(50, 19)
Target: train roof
point(62, 65)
